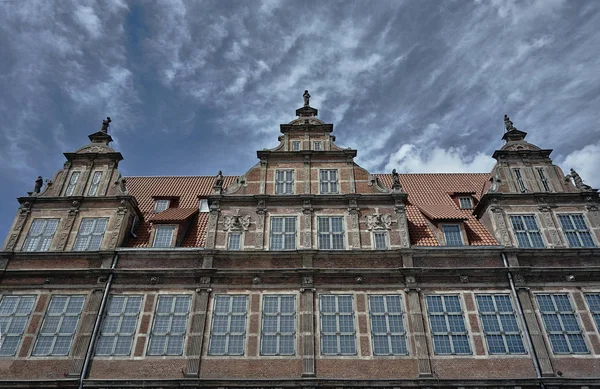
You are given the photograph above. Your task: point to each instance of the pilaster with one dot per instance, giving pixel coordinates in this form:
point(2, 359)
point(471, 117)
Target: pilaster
point(83, 336)
point(550, 226)
point(402, 222)
point(66, 226)
point(261, 213)
point(16, 231)
point(307, 215)
point(213, 220)
point(307, 327)
point(307, 177)
point(354, 232)
point(500, 228)
point(417, 326)
point(197, 328)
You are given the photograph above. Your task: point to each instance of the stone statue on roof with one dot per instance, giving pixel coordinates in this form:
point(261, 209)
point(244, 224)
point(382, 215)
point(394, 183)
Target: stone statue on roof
point(105, 124)
point(508, 123)
point(219, 179)
point(396, 179)
point(577, 181)
point(38, 185)
point(306, 96)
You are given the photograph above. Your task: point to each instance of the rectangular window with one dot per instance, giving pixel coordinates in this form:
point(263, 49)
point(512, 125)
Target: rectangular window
point(163, 236)
point(380, 240)
point(170, 325)
point(593, 300)
point(452, 234)
point(203, 207)
point(502, 333)
point(526, 231)
point(317, 145)
point(90, 234)
point(284, 181)
point(283, 233)
point(329, 181)
point(465, 202)
point(119, 325)
point(278, 334)
point(338, 336)
point(228, 333)
point(520, 181)
point(72, 183)
point(576, 231)
point(543, 179)
point(387, 325)
point(161, 205)
point(234, 241)
point(295, 145)
point(14, 316)
point(40, 235)
point(561, 324)
point(59, 326)
point(331, 232)
point(95, 183)
point(447, 325)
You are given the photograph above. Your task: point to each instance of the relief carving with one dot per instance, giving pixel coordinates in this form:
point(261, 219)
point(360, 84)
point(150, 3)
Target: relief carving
point(236, 222)
point(501, 229)
point(546, 213)
point(378, 221)
point(306, 234)
point(12, 241)
point(400, 210)
point(66, 228)
point(121, 212)
point(594, 215)
point(260, 230)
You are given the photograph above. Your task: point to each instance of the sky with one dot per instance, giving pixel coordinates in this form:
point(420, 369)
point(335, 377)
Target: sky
point(194, 87)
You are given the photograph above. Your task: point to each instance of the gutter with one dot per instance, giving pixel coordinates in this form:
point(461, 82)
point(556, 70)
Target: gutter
point(536, 363)
point(90, 350)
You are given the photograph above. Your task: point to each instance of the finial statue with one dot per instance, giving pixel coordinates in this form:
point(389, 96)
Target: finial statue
point(508, 123)
point(396, 178)
point(219, 179)
point(306, 96)
point(38, 185)
point(105, 124)
point(577, 180)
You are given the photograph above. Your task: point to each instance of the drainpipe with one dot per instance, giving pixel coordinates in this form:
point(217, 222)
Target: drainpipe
point(536, 363)
point(90, 350)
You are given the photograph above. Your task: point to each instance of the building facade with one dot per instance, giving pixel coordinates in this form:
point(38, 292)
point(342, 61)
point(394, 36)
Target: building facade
point(305, 271)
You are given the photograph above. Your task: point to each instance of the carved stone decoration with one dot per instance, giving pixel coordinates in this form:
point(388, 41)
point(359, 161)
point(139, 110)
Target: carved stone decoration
point(410, 279)
point(464, 279)
point(261, 211)
point(154, 280)
point(577, 181)
point(353, 211)
point(121, 212)
point(213, 219)
point(256, 280)
point(501, 229)
point(67, 226)
point(236, 222)
point(121, 187)
point(546, 213)
point(402, 222)
point(307, 281)
point(593, 215)
point(378, 221)
point(12, 241)
point(307, 211)
point(374, 182)
point(204, 280)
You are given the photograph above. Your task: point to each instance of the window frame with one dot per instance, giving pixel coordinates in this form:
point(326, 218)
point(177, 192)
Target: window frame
point(338, 333)
point(449, 334)
point(118, 334)
point(317, 142)
point(543, 179)
point(577, 231)
point(159, 209)
point(163, 227)
point(278, 315)
point(386, 239)
point(519, 180)
point(469, 199)
point(228, 333)
point(42, 242)
point(168, 334)
point(330, 233)
point(548, 334)
point(283, 233)
point(298, 143)
point(11, 318)
point(72, 185)
point(498, 321)
point(203, 206)
point(230, 234)
point(460, 234)
point(288, 185)
point(95, 183)
point(389, 333)
point(528, 232)
point(328, 182)
point(54, 334)
point(91, 234)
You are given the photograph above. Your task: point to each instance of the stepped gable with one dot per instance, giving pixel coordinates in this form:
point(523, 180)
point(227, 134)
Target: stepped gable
point(429, 193)
point(186, 188)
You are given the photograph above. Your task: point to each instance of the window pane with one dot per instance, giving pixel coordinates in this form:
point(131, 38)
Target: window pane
point(169, 328)
point(228, 330)
point(337, 325)
point(59, 325)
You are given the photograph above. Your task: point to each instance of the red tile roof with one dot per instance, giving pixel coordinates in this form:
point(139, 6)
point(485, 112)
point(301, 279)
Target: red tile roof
point(429, 196)
point(175, 215)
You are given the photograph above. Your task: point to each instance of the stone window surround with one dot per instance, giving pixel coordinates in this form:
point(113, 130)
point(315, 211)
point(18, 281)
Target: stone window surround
point(293, 181)
point(386, 238)
point(518, 318)
point(586, 220)
point(428, 331)
point(135, 330)
point(71, 188)
point(151, 324)
point(95, 186)
point(537, 217)
point(315, 230)
point(296, 315)
point(405, 323)
point(297, 142)
point(318, 338)
point(211, 316)
point(320, 192)
point(27, 323)
point(27, 236)
point(298, 228)
point(242, 237)
point(91, 233)
point(519, 177)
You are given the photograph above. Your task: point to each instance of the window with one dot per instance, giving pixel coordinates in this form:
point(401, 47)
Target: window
point(204, 205)
point(387, 325)
point(163, 236)
point(465, 202)
point(278, 325)
point(228, 332)
point(170, 325)
point(283, 233)
point(380, 240)
point(118, 327)
point(452, 234)
point(447, 325)
point(337, 325)
point(95, 183)
point(520, 182)
point(59, 326)
point(526, 231)
point(331, 233)
point(329, 181)
point(317, 145)
point(91, 232)
point(234, 241)
point(500, 327)
point(284, 181)
point(72, 183)
point(561, 324)
point(543, 179)
point(14, 315)
point(593, 300)
point(295, 145)
point(576, 231)
point(40, 235)
point(161, 205)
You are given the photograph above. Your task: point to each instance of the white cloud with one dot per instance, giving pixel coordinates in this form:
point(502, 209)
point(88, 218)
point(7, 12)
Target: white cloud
point(87, 18)
point(586, 162)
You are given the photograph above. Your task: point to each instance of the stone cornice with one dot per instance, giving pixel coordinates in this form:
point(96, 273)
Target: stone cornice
point(548, 198)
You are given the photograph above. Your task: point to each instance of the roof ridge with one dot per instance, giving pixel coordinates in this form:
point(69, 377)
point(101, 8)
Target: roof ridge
point(182, 176)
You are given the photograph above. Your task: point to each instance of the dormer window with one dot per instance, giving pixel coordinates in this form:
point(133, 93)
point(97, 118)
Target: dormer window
point(72, 183)
point(318, 145)
point(163, 236)
point(161, 204)
point(203, 207)
point(295, 145)
point(465, 202)
point(452, 235)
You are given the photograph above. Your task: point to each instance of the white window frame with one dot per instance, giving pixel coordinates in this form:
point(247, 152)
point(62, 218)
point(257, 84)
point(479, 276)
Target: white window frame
point(73, 180)
point(230, 314)
point(283, 233)
point(317, 145)
point(296, 143)
point(163, 227)
point(328, 182)
point(277, 317)
point(543, 179)
point(460, 234)
point(120, 316)
point(330, 233)
point(203, 206)
point(95, 183)
point(448, 333)
point(159, 205)
point(391, 334)
point(468, 199)
point(91, 234)
point(14, 321)
point(502, 332)
point(155, 334)
point(284, 179)
point(529, 233)
point(563, 333)
point(338, 333)
point(386, 237)
point(57, 333)
point(241, 240)
point(577, 231)
point(519, 180)
point(44, 237)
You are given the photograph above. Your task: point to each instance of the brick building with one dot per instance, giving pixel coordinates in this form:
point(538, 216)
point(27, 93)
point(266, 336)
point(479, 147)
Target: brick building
point(305, 271)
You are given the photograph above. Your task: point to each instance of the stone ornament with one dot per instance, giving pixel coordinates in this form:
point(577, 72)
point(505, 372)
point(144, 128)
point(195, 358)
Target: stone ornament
point(306, 97)
point(378, 221)
point(236, 222)
point(105, 124)
point(577, 181)
point(308, 280)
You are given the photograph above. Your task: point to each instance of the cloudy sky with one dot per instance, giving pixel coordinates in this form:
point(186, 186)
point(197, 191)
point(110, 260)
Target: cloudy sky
point(197, 86)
